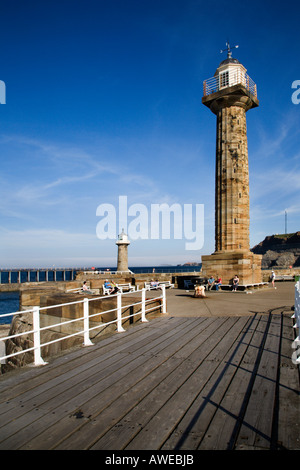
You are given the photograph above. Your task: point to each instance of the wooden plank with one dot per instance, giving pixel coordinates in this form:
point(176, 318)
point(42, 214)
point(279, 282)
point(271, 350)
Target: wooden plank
point(53, 374)
point(155, 433)
point(27, 378)
point(75, 397)
point(256, 428)
point(175, 383)
point(286, 435)
point(35, 409)
point(14, 408)
point(191, 429)
point(157, 398)
point(82, 438)
point(93, 406)
point(231, 404)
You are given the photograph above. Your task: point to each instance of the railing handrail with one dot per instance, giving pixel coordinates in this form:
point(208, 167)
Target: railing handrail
point(98, 271)
point(296, 316)
point(36, 331)
point(235, 77)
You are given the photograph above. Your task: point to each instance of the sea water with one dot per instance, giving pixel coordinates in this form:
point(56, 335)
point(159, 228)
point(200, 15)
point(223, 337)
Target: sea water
point(9, 303)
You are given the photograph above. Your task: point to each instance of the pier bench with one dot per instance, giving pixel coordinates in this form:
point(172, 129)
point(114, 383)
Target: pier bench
point(284, 277)
point(79, 290)
point(127, 287)
point(148, 285)
point(241, 286)
point(106, 291)
point(166, 284)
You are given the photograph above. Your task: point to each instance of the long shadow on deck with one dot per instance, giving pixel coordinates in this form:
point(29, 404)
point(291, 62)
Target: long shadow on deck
point(239, 418)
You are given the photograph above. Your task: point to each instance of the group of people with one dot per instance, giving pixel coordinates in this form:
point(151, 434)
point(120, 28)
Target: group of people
point(217, 283)
point(212, 282)
point(235, 282)
point(111, 286)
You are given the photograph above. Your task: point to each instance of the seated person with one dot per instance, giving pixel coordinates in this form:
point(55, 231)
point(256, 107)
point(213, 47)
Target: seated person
point(210, 283)
point(235, 283)
point(218, 283)
point(108, 285)
point(115, 288)
point(154, 284)
point(85, 288)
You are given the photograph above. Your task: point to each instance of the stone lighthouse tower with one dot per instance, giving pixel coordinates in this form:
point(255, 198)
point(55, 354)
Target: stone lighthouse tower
point(122, 244)
point(229, 95)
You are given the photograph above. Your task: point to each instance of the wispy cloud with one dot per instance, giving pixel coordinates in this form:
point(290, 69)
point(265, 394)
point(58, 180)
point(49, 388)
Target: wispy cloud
point(66, 173)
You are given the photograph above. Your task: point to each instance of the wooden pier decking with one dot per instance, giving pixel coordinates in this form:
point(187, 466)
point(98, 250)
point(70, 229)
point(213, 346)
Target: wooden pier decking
point(175, 383)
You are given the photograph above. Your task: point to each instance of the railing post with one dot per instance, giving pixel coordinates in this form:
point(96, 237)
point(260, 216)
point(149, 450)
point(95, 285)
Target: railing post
point(164, 305)
point(38, 360)
point(143, 316)
point(119, 313)
point(296, 315)
point(86, 326)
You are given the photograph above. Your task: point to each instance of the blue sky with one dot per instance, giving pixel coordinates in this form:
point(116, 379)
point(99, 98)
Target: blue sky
point(103, 99)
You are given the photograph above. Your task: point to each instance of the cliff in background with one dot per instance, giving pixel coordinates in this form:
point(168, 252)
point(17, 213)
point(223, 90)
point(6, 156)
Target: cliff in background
point(279, 251)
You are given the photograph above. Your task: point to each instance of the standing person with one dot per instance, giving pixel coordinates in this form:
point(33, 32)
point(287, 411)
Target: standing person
point(235, 283)
point(273, 276)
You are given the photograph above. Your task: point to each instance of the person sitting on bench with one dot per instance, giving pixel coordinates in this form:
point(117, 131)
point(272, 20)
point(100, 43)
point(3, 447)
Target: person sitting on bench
point(85, 288)
point(235, 283)
point(218, 283)
point(210, 283)
point(115, 288)
point(108, 286)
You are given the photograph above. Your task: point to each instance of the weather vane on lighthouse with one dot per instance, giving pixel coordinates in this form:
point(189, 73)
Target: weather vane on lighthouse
point(228, 50)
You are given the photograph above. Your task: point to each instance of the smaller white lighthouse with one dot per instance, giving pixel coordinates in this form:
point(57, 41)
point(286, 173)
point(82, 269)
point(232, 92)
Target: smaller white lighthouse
point(122, 244)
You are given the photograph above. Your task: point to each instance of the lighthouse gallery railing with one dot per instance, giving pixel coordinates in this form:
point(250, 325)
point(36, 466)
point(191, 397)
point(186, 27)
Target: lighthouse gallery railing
point(227, 79)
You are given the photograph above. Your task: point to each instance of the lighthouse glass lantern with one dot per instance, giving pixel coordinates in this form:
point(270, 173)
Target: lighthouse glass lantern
point(230, 73)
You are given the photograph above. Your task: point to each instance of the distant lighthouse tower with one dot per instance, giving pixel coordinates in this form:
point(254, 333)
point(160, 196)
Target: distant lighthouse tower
point(122, 244)
point(229, 95)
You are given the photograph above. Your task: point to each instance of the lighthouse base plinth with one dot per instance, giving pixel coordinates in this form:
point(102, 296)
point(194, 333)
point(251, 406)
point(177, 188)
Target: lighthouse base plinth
point(246, 265)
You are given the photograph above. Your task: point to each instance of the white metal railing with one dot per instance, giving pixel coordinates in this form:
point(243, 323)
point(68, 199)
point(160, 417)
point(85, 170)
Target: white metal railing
point(108, 272)
point(228, 79)
point(37, 329)
point(296, 315)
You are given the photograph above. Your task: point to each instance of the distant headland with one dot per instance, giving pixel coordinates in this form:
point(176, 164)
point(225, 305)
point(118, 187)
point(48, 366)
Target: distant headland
point(280, 250)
